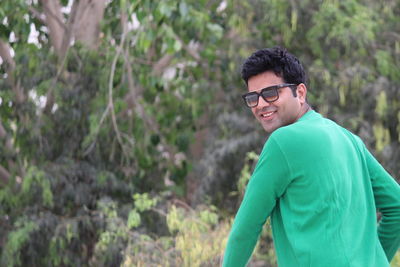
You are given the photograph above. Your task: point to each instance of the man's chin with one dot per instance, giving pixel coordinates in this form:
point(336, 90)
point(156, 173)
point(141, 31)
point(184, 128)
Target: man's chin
point(269, 128)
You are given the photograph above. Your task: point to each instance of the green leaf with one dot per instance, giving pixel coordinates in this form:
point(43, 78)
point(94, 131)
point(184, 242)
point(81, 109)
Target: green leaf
point(216, 29)
point(143, 202)
point(133, 219)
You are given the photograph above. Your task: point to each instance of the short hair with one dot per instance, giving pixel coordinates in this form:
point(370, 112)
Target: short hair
point(276, 59)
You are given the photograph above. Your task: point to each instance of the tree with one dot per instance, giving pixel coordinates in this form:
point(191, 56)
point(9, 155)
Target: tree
point(98, 120)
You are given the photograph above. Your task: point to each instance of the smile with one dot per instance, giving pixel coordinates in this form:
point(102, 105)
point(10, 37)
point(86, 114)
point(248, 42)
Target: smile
point(267, 114)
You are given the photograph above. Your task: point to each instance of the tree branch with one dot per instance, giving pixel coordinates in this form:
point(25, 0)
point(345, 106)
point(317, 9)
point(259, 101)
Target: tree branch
point(110, 88)
point(79, 11)
point(3, 132)
point(36, 14)
point(4, 175)
point(52, 11)
point(5, 54)
point(162, 64)
point(61, 52)
point(133, 99)
point(110, 105)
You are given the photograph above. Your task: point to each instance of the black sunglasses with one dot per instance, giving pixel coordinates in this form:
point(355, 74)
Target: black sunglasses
point(269, 94)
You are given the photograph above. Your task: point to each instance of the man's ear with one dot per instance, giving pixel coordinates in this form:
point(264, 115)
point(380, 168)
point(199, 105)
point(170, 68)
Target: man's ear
point(301, 92)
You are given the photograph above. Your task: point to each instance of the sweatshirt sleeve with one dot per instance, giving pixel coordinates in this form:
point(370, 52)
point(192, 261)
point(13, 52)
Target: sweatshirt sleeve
point(387, 200)
point(268, 182)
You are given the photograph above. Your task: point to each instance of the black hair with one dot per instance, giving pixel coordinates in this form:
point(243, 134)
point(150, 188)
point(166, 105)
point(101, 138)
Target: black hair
point(276, 59)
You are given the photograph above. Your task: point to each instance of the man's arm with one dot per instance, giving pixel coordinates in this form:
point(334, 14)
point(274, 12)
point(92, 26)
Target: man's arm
point(268, 182)
point(387, 200)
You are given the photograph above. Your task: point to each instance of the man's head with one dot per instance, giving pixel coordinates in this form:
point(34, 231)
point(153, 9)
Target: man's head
point(276, 85)
point(277, 60)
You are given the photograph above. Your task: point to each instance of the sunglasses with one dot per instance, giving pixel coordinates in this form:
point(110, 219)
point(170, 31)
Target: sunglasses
point(269, 94)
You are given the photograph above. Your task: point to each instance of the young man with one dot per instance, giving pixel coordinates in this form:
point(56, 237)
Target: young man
point(316, 180)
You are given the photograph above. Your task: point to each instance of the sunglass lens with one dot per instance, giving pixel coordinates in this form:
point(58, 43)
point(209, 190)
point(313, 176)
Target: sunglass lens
point(251, 100)
point(270, 95)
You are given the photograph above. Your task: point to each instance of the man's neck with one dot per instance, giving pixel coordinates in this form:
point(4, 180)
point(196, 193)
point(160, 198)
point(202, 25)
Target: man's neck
point(303, 110)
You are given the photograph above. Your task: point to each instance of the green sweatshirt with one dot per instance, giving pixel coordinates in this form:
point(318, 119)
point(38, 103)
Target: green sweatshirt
point(321, 187)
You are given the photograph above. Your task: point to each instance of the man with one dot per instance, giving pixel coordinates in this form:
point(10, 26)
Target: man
point(316, 180)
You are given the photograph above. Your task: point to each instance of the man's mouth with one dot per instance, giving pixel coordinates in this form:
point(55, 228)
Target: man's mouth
point(266, 115)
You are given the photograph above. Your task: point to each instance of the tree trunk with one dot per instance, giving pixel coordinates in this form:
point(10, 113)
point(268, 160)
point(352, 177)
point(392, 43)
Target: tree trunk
point(83, 23)
point(90, 14)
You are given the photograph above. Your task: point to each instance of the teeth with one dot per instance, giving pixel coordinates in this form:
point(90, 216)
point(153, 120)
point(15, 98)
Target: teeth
point(267, 114)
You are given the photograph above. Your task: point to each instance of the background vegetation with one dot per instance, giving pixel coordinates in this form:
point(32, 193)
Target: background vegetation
point(123, 138)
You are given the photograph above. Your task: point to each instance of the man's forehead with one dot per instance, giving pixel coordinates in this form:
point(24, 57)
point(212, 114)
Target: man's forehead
point(262, 80)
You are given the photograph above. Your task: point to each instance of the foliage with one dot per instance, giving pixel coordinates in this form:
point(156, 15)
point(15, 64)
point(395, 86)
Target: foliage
point(396, 260)
point(251, 157)
point(137, 152)
point(16, 241)
point(196, 238)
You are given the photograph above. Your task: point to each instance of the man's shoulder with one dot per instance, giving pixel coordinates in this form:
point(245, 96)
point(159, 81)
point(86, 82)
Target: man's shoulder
point(312, 130)
point(297, 130)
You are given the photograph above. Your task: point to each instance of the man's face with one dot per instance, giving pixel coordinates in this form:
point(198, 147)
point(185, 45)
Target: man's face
point(284, 111)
